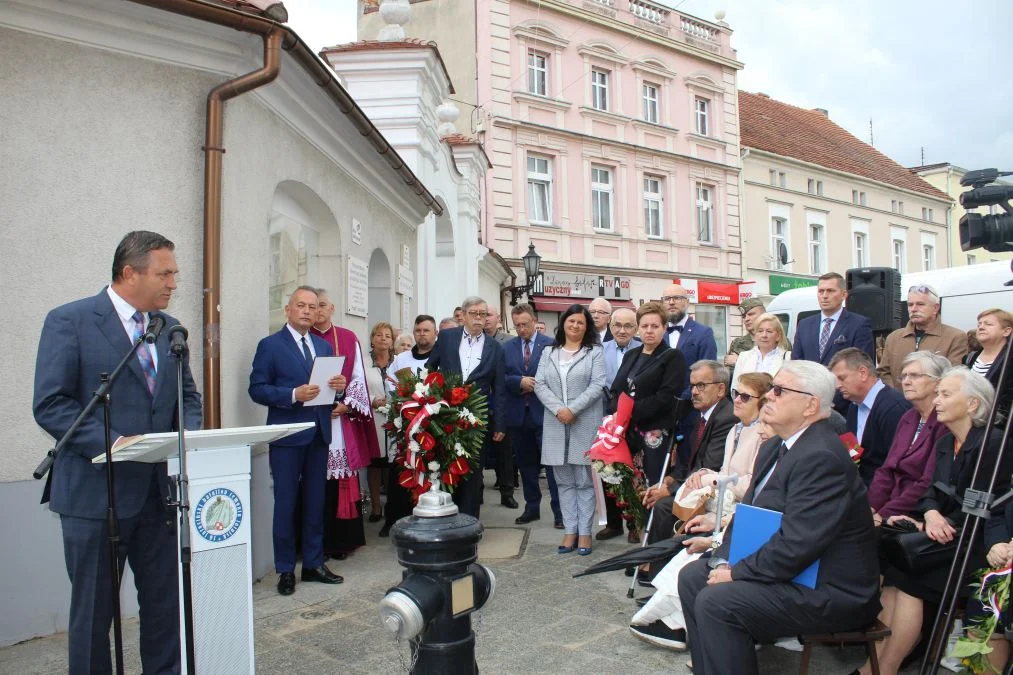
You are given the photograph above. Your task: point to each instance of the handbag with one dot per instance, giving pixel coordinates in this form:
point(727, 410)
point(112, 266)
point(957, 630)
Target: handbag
point(914, 552)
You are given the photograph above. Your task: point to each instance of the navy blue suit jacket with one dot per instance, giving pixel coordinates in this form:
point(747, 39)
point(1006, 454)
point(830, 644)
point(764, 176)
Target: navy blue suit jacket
point(278, 368)
point(487, 376)
point(884, 417)
point(851, 330)
point(79, 341)
point(696, 344)
point(514, 370)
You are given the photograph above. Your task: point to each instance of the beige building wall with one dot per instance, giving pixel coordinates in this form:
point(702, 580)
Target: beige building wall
point(451, 25)
point(843, 206)
point(947, 178)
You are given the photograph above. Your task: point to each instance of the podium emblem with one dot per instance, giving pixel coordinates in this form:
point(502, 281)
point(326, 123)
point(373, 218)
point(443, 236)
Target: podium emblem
point(218, 515)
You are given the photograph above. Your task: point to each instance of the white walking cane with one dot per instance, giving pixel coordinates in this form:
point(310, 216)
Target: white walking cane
point(650, 519)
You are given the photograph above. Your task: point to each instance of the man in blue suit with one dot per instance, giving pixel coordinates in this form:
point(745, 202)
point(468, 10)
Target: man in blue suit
point(696, 342)
point(820, 336)
point(279, 380)
point(478, 359)
point(874, 409)
point(523, 411)
point(79, 341)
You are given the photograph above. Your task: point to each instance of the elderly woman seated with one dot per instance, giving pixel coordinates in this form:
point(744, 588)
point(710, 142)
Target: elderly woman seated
point(962, 402)
point(660, 621)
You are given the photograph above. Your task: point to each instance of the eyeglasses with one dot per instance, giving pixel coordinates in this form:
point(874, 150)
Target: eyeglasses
point(479, 315)
point(599, 311)
point(927, 290)
point(779, 389)
point(913, 376)
point(673, 298)
point(624, 326)
point(742, 396)
point(702, 385)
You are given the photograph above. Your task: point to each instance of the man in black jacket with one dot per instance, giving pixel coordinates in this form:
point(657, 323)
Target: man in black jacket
point(874, 409)
point(809, 478)
point(708, 382)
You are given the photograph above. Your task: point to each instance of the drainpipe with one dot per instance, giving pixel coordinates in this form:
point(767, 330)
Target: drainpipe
point(213, 151)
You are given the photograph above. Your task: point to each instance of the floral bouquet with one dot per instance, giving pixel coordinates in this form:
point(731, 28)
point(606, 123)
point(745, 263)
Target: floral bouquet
point(611, 458)
point(855, 451)
point(438, 425)
point(971, 649)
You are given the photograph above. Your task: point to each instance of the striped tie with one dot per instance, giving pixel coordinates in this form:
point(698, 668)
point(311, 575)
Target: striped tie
point(825, 335)
point(144, 354)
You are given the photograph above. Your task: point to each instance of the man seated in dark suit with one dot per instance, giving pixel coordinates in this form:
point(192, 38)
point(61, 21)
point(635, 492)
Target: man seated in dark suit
point(820, 336)
point(874, 409)
point(80, 341)
point(467, 351)
point(523, 412)
point(709, 384)
point(810, 479)
point(279, 380)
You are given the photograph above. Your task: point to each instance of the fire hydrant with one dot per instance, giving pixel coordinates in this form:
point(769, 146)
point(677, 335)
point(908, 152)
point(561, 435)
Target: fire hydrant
point(441, 586)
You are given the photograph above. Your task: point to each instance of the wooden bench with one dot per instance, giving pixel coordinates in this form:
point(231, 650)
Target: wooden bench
point(869, 636)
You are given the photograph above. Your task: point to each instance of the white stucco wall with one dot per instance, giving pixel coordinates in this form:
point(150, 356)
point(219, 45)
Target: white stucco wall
point(96, 143)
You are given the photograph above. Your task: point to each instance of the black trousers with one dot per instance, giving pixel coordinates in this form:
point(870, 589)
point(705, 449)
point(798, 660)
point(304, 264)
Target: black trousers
point(504, 463)
point(663, 522)
point(723, 621)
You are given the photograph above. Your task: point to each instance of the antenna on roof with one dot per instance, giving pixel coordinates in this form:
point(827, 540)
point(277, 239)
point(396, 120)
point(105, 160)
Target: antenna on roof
point(923, 156)
point(872, 139)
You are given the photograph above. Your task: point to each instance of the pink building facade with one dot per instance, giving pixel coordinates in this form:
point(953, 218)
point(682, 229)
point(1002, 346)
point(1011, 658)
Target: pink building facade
point(612, 127)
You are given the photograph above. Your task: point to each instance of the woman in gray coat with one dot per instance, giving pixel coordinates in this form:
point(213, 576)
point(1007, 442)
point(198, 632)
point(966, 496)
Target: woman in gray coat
point(570, 383)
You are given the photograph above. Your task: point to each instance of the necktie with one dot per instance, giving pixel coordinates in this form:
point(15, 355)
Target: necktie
point(673, 329)
point(144, 354)
point(825, 335)
point(527, 354)
point(306, 352)
point(701, 425)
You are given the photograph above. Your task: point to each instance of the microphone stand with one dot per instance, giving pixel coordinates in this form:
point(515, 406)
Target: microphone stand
point(977, 507)
point(101, 395)
point(182, 503)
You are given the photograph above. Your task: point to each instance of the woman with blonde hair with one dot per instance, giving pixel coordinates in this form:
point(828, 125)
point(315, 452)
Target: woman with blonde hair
point(770, 350)
point(381, 352)
point(994, 328)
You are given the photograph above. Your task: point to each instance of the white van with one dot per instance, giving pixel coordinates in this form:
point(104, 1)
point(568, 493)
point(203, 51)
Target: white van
point(963, 292)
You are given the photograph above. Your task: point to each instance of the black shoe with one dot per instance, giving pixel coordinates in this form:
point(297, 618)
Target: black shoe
point(644, 580)
point(558, 524)
point(508, 501)
point(527, 517)
point(286, 583)
point(337, 556)
point(659, 634)
point(321, 574)
point(385, 531)
point(643, 601)
point(375, 517)
point(607, 533)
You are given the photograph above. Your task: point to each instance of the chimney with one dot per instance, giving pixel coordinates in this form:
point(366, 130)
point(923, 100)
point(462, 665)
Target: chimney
point(822, 111)
point(762, 95)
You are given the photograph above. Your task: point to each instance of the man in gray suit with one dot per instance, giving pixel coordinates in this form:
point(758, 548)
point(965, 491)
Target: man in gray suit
point(807, 476)
point(79, 341)
point(624, 328)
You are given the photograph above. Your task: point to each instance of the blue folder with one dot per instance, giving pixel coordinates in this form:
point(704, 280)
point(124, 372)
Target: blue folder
point(754, 526)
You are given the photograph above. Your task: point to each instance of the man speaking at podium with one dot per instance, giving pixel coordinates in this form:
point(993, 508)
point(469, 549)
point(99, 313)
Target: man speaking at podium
point(79, 341)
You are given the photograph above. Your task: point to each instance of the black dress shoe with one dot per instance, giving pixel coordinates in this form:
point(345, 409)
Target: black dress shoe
point(338, 556)
point(558, 524)
point(286, 583)
point(527, 517)
point(643, 601)
point(508, 501)
point(321, 574)
point(385, 531)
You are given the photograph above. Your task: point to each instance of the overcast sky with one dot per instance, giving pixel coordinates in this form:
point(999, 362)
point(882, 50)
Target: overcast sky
point(928, 73)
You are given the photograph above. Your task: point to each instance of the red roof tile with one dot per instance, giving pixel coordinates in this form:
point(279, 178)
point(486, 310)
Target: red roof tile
point(374, 45)
point(809, 136)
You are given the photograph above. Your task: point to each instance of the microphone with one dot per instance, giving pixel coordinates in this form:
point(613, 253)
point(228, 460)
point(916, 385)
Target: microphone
point(155, 326)
point(721, 482)
point(177, 340)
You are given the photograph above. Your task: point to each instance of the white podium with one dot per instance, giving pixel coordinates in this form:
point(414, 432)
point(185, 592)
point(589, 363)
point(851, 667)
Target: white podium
point(218, 469)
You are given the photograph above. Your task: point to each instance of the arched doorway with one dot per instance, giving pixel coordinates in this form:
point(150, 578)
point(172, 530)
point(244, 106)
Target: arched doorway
point(379, 287)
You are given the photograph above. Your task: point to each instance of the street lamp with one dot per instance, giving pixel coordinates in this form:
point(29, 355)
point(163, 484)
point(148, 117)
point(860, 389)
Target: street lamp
point(531, 262)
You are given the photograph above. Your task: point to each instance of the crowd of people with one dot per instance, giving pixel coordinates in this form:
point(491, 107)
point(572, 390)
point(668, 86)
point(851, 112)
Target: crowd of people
point(773, 413)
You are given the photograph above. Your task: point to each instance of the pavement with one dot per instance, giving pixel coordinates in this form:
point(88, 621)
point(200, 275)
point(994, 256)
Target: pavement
point(540, 620)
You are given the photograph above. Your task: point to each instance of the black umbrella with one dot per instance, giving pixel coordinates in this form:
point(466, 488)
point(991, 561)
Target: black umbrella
point(661, 551)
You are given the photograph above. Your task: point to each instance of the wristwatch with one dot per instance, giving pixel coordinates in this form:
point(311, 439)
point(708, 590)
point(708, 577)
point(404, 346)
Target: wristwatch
point(716, 562)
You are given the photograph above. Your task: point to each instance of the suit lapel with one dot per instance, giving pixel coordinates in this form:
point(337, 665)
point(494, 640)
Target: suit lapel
point(295, 349)
point(764, 461)
point(112, 328)
point(166, 362)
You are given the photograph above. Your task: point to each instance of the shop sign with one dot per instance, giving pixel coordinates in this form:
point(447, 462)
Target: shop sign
point(780, 284)
point(715, 292)
point(565, 285)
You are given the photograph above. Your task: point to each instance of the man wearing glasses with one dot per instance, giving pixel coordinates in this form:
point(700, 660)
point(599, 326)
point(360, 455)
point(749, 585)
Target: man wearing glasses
point(479, 360)
point(601, 310)
point(806, 475)
point(925, 331)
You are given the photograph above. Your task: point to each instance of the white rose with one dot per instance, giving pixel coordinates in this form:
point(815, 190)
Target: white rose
point(421, 389)
point(414, 446)
point(434, 476)
point(459, 449)
point(423, 373)
point(434, 465)
point(397, 423)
